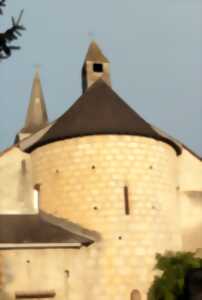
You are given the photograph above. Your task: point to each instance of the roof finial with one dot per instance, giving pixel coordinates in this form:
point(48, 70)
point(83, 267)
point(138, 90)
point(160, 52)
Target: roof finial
point(37, 67)
point(37, 70)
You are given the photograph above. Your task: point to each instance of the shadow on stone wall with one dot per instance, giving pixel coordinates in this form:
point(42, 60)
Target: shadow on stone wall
point(6, 278)
point(193, 285)
point(192, 238)
point(196, 195)
point(5, 296)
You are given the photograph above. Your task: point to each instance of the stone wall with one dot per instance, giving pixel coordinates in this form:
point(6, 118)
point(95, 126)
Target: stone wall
point(16, 188)
point(83, 180)
point(45, 270)
point(191, 220)
point(190, 170)
point(190, 193)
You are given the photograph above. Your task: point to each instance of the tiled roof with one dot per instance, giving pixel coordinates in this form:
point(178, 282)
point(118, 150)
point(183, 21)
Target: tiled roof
point(34, 230)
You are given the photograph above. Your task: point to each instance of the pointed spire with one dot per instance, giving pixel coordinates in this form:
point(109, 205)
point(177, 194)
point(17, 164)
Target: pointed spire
point(36, 115)
point(96, 66)
point(95, 54)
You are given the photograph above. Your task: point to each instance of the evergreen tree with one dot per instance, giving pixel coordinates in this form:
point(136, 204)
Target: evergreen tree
point(11, 34)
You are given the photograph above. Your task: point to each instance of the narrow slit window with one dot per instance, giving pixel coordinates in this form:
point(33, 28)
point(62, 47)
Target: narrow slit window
point(35, 295)
point(126, 201)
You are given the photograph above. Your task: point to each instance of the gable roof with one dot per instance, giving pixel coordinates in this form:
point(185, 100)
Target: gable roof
point(33, 230)
point(100, 111)
point(94, 54)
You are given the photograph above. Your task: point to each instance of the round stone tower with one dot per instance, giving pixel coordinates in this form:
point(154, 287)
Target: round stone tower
point(103, 167)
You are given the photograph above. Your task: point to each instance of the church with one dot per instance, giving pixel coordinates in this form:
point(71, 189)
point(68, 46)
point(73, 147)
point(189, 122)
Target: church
point(89, 199)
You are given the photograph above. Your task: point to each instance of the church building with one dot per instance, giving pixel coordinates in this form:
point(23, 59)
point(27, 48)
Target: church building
point(89, 199)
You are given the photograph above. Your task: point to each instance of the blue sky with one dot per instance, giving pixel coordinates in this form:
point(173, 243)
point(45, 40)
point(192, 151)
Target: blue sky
point(155, 49)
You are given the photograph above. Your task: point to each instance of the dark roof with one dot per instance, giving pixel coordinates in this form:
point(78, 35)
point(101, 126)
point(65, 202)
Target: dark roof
point(32, 229)
point(94, 54)
point(100, 111)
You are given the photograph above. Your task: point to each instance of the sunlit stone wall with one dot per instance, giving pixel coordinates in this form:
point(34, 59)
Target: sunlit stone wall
point(83, 180)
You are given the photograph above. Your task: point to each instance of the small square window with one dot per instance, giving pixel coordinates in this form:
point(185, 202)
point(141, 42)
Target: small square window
point(98, 68)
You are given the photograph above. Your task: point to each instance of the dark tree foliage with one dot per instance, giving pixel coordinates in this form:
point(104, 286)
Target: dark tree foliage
point(193, 285)
point(175, 267)
point(11, 34)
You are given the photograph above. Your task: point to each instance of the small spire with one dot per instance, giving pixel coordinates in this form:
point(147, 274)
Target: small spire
point(96, 66)
point(37, 71)
point(95, 54)
point(37, 117)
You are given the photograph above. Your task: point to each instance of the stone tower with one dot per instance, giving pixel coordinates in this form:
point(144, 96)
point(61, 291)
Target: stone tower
point(37, 117)
point(96, 66)
point(102, 166)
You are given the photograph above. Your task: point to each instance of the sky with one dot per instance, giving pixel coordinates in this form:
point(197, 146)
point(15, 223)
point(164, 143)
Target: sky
point(155, 49)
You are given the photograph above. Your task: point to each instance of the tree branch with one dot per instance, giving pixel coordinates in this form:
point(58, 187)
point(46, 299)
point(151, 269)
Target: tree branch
point(2, 4)
point(11, 34)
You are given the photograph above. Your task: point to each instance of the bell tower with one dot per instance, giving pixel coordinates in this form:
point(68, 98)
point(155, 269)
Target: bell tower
point(96, 66)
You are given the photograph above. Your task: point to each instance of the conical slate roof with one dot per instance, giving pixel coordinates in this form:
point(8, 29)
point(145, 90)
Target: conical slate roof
point(95, 54)
point(36, 115)
point(100, 111)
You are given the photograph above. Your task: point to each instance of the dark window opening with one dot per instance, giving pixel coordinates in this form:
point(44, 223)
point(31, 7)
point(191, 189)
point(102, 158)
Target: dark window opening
point(98, 68)
point(126, 201)
point(35, 295)
point(135, 295)
point(37, 187)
